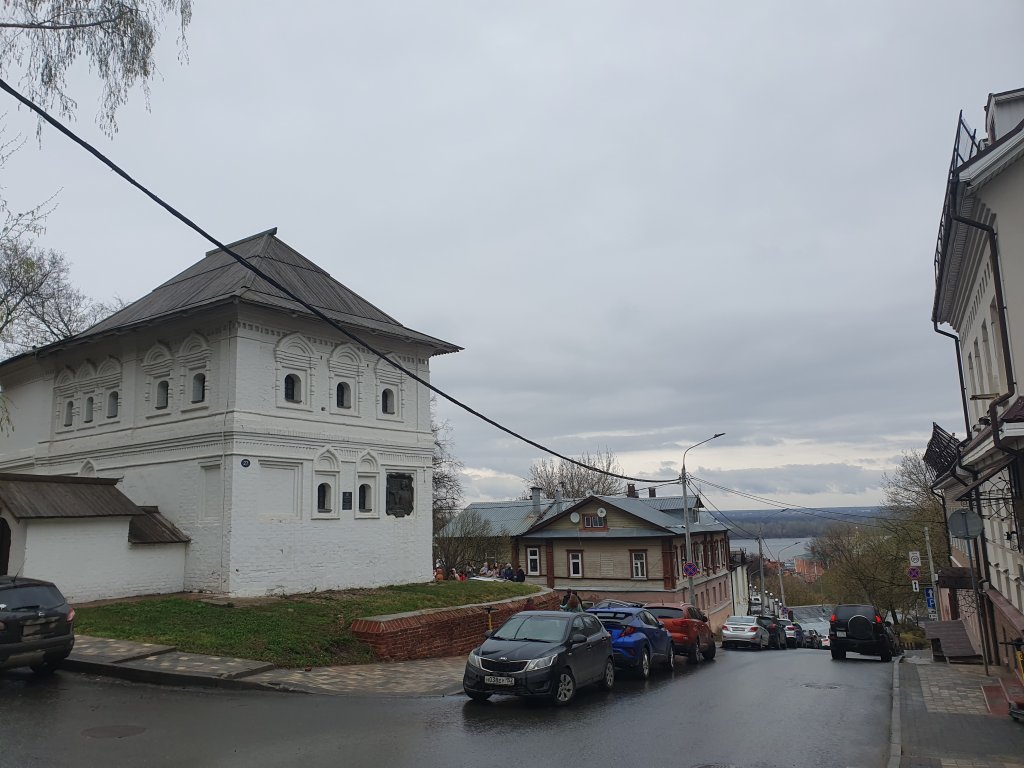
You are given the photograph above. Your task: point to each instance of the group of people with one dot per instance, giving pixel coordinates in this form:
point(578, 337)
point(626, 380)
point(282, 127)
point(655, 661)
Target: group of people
point(507, 572)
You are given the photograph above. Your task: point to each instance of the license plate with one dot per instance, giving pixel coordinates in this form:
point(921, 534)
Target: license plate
point(840, 633)
point(494, 680)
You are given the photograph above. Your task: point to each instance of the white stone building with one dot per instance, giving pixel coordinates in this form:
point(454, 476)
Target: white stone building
point(979, 297)
point(292, 458)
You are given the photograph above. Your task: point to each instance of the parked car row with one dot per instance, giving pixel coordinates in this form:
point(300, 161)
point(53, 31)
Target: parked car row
point(762, 632)
point(550, 654)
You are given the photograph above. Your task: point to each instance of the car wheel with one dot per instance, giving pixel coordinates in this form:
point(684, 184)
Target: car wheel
point(564, 688)
point(837, 654)
point(608, 678)
point(709, 654)
point(670, 662)
point(693, 655)
point(477, 695)
point(644, 667)
point(886, 655)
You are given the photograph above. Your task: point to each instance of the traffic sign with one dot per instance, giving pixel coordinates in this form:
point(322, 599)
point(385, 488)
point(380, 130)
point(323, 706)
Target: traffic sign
point(933, 614)
point(915, 558)
point(691, 569)
point(929, 598)
point(916, 585)
point(913, 572)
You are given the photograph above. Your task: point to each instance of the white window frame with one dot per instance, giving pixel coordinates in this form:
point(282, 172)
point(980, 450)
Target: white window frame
point(533, 561)
point(575, 564)
point(638, 559)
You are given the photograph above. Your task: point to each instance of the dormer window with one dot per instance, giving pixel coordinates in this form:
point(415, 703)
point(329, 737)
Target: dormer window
point(292, 388)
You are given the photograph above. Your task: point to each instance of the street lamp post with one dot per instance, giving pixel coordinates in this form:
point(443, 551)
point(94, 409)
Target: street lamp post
point(686, 513)
point(782, 588)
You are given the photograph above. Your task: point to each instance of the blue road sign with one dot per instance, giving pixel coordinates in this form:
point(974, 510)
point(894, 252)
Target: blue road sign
point(929, 597)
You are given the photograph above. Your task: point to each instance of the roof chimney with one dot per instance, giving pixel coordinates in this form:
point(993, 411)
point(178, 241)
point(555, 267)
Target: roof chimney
point(631, 490)
point(535, 494)
point(652, 492)
point(558, 499)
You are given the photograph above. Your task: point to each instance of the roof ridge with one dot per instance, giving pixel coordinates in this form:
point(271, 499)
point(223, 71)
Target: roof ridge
point(271, 232)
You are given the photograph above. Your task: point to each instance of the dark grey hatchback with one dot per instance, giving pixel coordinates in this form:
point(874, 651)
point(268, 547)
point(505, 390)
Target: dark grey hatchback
point(37, 626)
point(545, 654)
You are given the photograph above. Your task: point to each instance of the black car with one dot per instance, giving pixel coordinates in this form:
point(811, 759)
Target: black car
point(545, 654)
point(860, 628)
point(776, 631)
point(37, 626)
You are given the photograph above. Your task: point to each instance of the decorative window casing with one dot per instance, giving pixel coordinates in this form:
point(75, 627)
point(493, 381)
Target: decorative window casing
point(64, 391)
point(194, 357)
point(295, 360)
point(158, 366)
point(87, 410)
point(390, 394)
point(533, 561)
point(638, 564)
point(113, 404)
point(108, 389)
point(327, 486)
point(345, 368)
point(367, 484)
point(574, 558)
point(69, 413)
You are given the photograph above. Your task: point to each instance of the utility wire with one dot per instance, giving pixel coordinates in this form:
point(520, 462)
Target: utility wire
point(316, 313)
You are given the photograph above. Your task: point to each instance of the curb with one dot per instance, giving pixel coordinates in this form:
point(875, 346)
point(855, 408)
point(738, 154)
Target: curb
point(895, 737)
point(158, 677)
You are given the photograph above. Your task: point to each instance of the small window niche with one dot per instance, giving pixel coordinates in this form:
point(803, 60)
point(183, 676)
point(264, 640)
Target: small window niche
point(69, 413)
point(199, 388)
point(163, 389)
point(344, 396)
point(365, 499)
point(323, 499)
point(387, 401)
point(292, 388)
point(87, 411)
point(113, 404)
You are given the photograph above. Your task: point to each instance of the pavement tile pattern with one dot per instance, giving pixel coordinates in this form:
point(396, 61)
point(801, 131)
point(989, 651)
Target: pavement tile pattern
point(944, 722)
point(102, 649)
point(425, 677)
point(198, 664)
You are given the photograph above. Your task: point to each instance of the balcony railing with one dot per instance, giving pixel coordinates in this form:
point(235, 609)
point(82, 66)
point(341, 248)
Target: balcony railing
point(965, 146)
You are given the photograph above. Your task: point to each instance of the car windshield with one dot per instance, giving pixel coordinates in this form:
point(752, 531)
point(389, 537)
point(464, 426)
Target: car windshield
point(545, 629)
point(30, 596)
point(740, 620)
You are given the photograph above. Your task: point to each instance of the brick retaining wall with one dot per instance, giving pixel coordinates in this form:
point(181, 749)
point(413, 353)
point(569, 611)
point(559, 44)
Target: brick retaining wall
point(438, 632)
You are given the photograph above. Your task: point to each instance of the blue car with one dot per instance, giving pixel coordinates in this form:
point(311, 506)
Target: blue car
point(638, 638)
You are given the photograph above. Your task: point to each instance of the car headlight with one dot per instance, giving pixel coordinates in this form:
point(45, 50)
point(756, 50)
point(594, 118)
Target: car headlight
point(474, 660)
point(542, 663)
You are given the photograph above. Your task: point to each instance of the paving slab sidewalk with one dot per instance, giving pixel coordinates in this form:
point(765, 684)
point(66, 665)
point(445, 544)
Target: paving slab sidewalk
point(944, 721)
point(164, 664)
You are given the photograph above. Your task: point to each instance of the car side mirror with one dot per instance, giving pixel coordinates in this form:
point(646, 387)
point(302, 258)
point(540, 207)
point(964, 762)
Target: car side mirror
point(488, 633)
point(577, 638)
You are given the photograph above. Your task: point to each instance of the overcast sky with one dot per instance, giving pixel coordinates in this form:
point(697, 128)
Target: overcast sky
point(644, 222)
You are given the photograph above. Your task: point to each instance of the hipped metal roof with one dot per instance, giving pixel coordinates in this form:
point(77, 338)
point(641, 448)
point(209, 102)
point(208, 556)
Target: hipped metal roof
point(219, 279)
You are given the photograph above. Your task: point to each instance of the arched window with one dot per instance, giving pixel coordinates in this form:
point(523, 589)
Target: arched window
point(365, 498)
point(387, 401)
point(292, 388)
point(112, 405)
point(87, 416)
point(199, 388)
point(162, 390)
point(323, 497)
point(69, 413)
point(344, 395)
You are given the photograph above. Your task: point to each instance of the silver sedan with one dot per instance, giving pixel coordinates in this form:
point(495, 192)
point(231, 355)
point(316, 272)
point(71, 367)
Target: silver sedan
point(744, 630)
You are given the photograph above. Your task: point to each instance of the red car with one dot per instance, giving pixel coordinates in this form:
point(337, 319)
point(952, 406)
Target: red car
point(691, 633)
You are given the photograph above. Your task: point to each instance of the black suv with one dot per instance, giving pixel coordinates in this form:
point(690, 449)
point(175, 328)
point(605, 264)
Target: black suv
point(37, 626)
point(859, 628)
point(776, 631)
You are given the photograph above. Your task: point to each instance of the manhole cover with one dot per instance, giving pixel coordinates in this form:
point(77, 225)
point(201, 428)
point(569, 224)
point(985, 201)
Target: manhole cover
point(113, 731)
point(820, 686)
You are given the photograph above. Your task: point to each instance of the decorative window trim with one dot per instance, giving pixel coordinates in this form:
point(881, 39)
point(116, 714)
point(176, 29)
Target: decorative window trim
point(345, 367)
point(389, 379)
point(571, 556)
point(326, 471)
point(360, 510)
point(158, 365)
point(368, 472)
point(294, 356)
point(112, 418)
point(638, 557)
point(533, 554)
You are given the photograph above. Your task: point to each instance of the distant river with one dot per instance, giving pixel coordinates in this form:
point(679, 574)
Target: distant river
point(774, 549)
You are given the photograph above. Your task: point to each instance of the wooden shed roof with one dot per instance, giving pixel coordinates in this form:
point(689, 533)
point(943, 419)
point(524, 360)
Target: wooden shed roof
point(38, 497)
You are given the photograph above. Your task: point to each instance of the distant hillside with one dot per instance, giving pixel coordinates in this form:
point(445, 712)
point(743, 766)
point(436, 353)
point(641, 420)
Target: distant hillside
point(788, 524)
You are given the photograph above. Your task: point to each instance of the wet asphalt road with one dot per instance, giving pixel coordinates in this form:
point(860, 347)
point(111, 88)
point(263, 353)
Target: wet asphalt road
point(745, 709)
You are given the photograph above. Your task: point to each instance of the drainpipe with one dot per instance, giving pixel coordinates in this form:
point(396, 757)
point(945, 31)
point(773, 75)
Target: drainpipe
point(960, 370)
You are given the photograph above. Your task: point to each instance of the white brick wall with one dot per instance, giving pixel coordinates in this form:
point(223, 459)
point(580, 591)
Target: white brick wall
point(90, 559)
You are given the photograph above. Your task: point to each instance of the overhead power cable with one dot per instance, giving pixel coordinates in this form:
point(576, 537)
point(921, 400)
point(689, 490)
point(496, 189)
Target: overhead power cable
point(270, 280)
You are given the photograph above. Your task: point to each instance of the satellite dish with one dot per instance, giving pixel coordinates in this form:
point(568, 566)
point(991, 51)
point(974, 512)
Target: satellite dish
point(601, 512)
point(575, 517)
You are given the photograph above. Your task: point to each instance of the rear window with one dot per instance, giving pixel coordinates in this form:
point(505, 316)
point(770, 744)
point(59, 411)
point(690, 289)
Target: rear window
point(667, 613)
point(740, 620)
point(612, 615)
point(847, 612)
point(30, 596)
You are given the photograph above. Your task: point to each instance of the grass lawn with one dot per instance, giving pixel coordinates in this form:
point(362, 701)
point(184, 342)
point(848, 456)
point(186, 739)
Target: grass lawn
point(294, 631)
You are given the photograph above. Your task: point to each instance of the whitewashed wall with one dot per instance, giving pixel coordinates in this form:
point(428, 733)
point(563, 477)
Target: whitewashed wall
point(91, 559)
point(17, 557)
